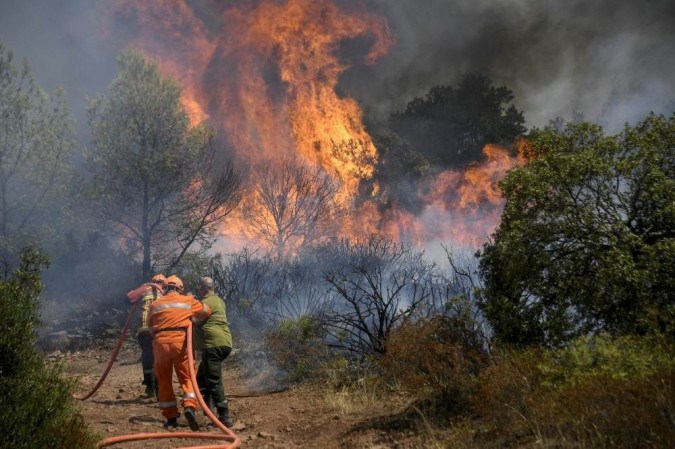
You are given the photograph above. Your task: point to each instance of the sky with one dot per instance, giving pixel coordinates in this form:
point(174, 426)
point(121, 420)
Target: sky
point(610, 60)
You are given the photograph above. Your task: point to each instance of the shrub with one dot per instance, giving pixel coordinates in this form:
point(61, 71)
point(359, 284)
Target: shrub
point(600, 392)
point(297, 347)
point(42, 412)
point(604, 356)
point(506, 391)
point(436, 362)
point(614, 392)
point(618, 412)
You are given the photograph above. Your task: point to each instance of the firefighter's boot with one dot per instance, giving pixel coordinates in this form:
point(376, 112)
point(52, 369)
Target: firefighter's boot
point(224, 414)
point(150, 384)
point(171, 424)
point(191, 419)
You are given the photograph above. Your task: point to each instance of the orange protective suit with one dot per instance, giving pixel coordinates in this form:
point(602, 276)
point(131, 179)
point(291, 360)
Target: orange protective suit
point(169, 318)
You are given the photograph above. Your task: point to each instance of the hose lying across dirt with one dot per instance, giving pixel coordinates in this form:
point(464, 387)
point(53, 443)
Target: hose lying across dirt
point(123, 335)
point(232, 440)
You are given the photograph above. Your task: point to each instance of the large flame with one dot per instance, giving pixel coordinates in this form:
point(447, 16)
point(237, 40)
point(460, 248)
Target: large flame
point(457, 206)
point(302, 36)
point(265, 73)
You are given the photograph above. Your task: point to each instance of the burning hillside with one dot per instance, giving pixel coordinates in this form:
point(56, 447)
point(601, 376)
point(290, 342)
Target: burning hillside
point(266, 75)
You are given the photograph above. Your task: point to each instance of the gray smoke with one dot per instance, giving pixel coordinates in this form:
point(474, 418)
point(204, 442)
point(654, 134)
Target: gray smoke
point(64, 45)
point(610, 60)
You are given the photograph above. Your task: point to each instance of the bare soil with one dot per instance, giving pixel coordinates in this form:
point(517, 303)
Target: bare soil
point(266, 414)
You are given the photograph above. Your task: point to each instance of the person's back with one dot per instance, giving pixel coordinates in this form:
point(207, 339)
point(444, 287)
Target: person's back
point(214, 338)
point(172, 313)
point(214, 332)
point(152, 294)
point(147, 294)
point(169, 319)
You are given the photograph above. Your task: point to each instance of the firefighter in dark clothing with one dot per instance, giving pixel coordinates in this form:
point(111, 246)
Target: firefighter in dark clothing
point(214, 339)
point(147, 293)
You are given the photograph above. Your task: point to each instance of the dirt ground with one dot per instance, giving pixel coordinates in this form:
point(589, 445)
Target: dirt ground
point(265, 417)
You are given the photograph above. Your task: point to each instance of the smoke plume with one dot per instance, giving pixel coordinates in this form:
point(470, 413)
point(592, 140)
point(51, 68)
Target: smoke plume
point(610, 60)
point(299, 75)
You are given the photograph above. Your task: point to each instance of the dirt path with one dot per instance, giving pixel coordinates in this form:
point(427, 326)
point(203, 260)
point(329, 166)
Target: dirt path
point(292, 418)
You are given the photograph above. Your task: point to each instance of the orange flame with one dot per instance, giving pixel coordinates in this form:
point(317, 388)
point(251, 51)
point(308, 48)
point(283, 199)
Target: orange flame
point(266, 73)
point(462, 207)
point(303, 35)
point(471, 199)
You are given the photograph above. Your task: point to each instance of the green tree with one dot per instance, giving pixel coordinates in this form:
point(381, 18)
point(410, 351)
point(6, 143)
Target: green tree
point(38, 407)
point(397, 173)
point(587, 237)
point(451, 125)
point(154, 178)
point(36, 176)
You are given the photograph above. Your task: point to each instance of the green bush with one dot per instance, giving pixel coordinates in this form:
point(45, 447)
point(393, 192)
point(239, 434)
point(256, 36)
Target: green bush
point(297, 347)
point(38, 409)
point(604, 356)
point(585, 242)
point(600, 392)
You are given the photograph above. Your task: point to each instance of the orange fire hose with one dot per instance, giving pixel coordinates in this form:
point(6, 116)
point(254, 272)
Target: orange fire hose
point(233, 440)
point(114, 355)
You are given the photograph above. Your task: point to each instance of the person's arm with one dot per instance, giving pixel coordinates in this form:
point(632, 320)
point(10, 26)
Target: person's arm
point(200, 311)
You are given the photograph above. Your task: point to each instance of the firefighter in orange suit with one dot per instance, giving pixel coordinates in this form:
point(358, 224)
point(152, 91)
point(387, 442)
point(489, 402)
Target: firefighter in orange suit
point(169, 319)
point(147, 293)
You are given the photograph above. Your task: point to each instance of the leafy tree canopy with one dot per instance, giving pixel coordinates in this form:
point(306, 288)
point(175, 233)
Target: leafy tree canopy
point(587, 237)
point(153, 178)
point(39, 409)
point(36, 177)
point(397, 172)
point(451, 125)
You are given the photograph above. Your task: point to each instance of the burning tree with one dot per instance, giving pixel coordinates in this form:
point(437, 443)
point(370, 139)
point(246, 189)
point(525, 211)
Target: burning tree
point(451, 125)
point(153, 175)
point(267, 74)
point(293, 205)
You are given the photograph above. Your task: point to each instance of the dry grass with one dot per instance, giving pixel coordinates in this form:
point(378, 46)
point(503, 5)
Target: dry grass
point(618, 395)
point(437, 361)
point(353, 400)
